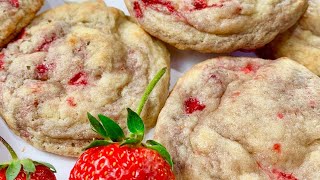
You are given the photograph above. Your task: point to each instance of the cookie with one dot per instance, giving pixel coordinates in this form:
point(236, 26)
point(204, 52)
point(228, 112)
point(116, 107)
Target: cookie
point(300, 43)
point(75, 59)
point(218, 26)
point(242, 118)
point(14, 16)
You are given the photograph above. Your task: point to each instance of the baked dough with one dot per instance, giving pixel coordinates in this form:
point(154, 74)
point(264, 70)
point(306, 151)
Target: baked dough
point(241, 118)
point(75, 59)
point(218, 26)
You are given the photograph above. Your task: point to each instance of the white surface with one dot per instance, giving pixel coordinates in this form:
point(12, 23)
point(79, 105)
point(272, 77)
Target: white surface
point(181, 61)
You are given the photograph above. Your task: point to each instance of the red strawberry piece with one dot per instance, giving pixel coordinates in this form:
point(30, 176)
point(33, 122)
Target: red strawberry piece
point(276, 174)
point(282, 176)
point(42, 68)
point(121, 163)
point(280, 115)
point(203, 4)
point(200, 4)
point(248, 69)
point(14, 3)
point(192, 104)
point(117, 157)
point(79, 79)
point(277, 147)
point(46, 44)
point(1, 61)
point(153, 3)
point(41, 72)
point(71, 102)
point(137, 9)
point(22, 169)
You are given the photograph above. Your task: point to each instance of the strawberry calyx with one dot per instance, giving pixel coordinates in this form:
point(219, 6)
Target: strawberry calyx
point(15, 165)
point(112, 133)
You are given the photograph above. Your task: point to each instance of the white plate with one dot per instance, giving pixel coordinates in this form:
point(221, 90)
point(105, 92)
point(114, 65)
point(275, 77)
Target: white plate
point(181, 61)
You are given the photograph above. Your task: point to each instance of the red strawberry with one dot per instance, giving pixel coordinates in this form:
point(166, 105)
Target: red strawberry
point(41, 173)
point(25, 169)
point(112, 160)
point(123, 158)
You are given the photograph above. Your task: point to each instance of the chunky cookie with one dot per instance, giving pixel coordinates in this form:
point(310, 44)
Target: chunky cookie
point(14, 16)
point(218, 26)
point(302, 42)
point(75, 59)
point(242, 118)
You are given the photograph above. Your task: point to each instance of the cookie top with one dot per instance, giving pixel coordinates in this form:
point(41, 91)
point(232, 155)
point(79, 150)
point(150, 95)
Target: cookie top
point(14, 16)
point(218, 26)
point(242, 118)
point(302, 42)
point(75, 59)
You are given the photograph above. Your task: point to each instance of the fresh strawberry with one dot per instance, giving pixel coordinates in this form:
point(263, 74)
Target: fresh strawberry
point(25, 169)
point(117, 157)
point(121, 162)
point(41, 173)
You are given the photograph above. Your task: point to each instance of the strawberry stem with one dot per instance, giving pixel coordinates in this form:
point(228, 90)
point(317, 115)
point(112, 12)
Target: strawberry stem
point(150, 87)
point(9, 148)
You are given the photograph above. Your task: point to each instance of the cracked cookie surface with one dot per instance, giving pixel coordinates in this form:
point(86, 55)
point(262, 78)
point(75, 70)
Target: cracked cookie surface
point(14, 16)
point(75, 59)
point(301, 42)
point(218, 26)
point(243, 118)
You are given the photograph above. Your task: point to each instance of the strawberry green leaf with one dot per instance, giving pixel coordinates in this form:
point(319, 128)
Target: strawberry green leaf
point(28, 165)
point(161, 150)
point(130, 141)
point(113, 130)
point(50, 166)
point(97, 143)
point(135, 123)
point(13, 170)
point(97, 127)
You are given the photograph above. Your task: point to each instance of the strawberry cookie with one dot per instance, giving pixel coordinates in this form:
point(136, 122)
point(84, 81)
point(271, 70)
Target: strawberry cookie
point(243, 118)
point(14, 16)
point(217, 26)
point(75, 59)
point(302, 42)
